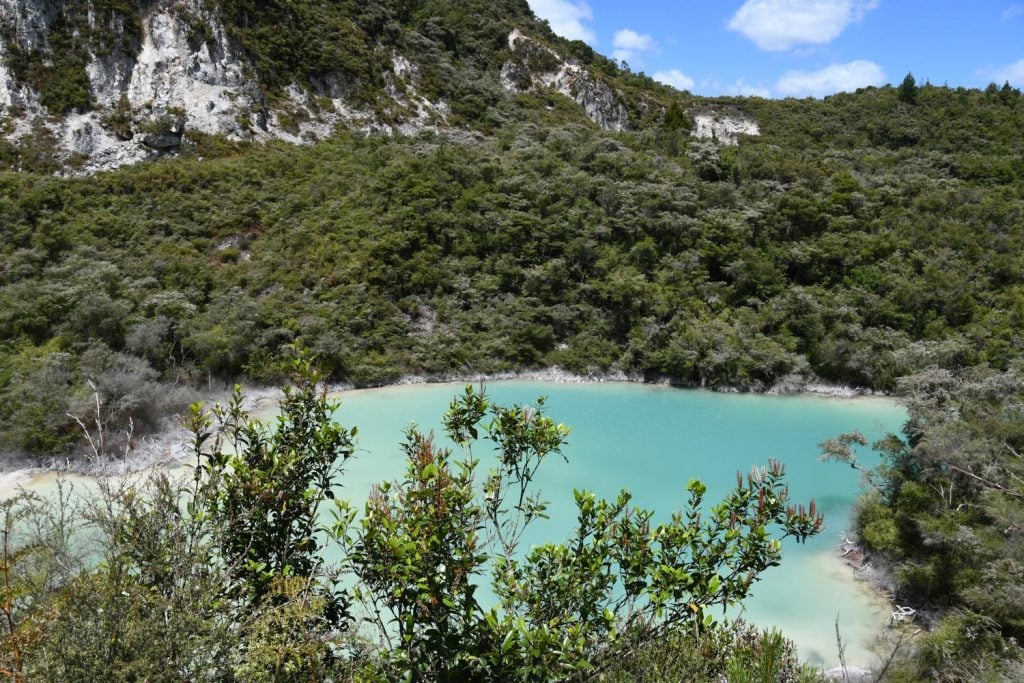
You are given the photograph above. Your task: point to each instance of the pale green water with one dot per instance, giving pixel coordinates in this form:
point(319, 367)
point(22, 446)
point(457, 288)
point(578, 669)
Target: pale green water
point(653, 440)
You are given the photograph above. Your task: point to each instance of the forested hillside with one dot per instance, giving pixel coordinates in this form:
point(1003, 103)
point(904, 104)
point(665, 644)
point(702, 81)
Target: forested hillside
point(858, 239)
point(486, 214)
point(94, 84)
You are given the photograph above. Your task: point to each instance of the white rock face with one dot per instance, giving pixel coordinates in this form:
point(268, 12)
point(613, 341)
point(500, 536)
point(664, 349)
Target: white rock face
point(6, 86)
point(426, 115)
point(32, 20)
point(420, 114)
point(85, 135)
point(601, 103)
point(514, 36)
point(209, 85)
point(108, 77)
point(19, 106)
point(725, 129)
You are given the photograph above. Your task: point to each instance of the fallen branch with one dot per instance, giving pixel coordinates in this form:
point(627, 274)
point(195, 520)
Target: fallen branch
point(994, 485)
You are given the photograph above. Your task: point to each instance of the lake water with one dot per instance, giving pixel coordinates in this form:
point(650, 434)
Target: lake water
point(652, 440)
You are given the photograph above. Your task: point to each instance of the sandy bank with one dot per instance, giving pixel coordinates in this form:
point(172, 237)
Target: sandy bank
point(169, 447)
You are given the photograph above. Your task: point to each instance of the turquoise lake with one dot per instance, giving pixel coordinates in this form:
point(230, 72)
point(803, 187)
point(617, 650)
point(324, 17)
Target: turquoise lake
point(652, 440)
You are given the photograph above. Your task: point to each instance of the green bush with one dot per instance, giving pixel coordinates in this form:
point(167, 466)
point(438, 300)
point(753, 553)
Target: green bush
point(734, 651)
point(876, 526)
point(225, 574)
point(963, 646)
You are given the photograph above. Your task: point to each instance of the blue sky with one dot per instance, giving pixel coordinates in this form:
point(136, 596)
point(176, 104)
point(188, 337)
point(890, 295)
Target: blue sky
point(801, 48)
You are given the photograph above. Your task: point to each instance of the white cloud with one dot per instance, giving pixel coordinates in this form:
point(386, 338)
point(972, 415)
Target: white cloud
point(628, 39)
point(740, 88)
point(777, 25)
point(629, 44)
point(744, 89)
point(567, 18)
point(832, 79)
point(1014, 73)
point(1013, 11)
point(674, 77)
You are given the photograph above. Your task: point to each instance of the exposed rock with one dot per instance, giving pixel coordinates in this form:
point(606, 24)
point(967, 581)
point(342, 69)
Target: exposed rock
point(725, 129)
point(537, 67)
point(209, 84)
point(162, 141)
point(84, 135)
point(164, 134)
point(142, 69)
point(426, 115)
point(423, 321)
point(109, 76)
point(13, 95)
point(31, 20)
point(850, 674)
point(6, 85)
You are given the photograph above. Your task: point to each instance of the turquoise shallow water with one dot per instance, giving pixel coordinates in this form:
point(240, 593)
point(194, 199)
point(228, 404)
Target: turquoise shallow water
point(652, 440)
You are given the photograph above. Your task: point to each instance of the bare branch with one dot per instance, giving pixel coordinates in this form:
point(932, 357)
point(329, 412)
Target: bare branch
point(991, 484)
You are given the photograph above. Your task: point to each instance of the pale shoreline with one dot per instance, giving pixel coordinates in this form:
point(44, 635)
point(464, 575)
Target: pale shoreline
point(788, 386)
point(167, 448)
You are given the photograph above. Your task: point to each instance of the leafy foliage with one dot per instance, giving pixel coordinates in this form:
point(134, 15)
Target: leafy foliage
point(816, 249)
point(871, 238)
point(563, 609)
point(224, 577)
point(217, 578)
point(948, 511)
point(267, 488)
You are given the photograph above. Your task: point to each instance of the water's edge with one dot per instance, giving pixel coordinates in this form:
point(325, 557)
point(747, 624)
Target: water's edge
point(167, 449)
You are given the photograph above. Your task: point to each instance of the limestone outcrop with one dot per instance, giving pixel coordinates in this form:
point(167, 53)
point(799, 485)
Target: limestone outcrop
point(536, 67)
point(102, 84)
point(160, 68)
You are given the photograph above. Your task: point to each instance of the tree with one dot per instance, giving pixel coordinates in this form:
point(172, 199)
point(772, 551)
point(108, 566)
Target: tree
point(218, 578)
point(224, 577)
point(266, 488)
point(147, 601)
point(676, 118)
point(424, 543)
point(908, 89)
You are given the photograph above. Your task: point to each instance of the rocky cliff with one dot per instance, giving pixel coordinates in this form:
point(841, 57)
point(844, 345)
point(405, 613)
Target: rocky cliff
point(102, 83)
point(162, 81)
point(537, 67)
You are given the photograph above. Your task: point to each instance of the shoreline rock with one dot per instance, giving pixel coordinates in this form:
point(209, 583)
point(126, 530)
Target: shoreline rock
point(850, 674)
point(790, 386)
point(166, 447)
